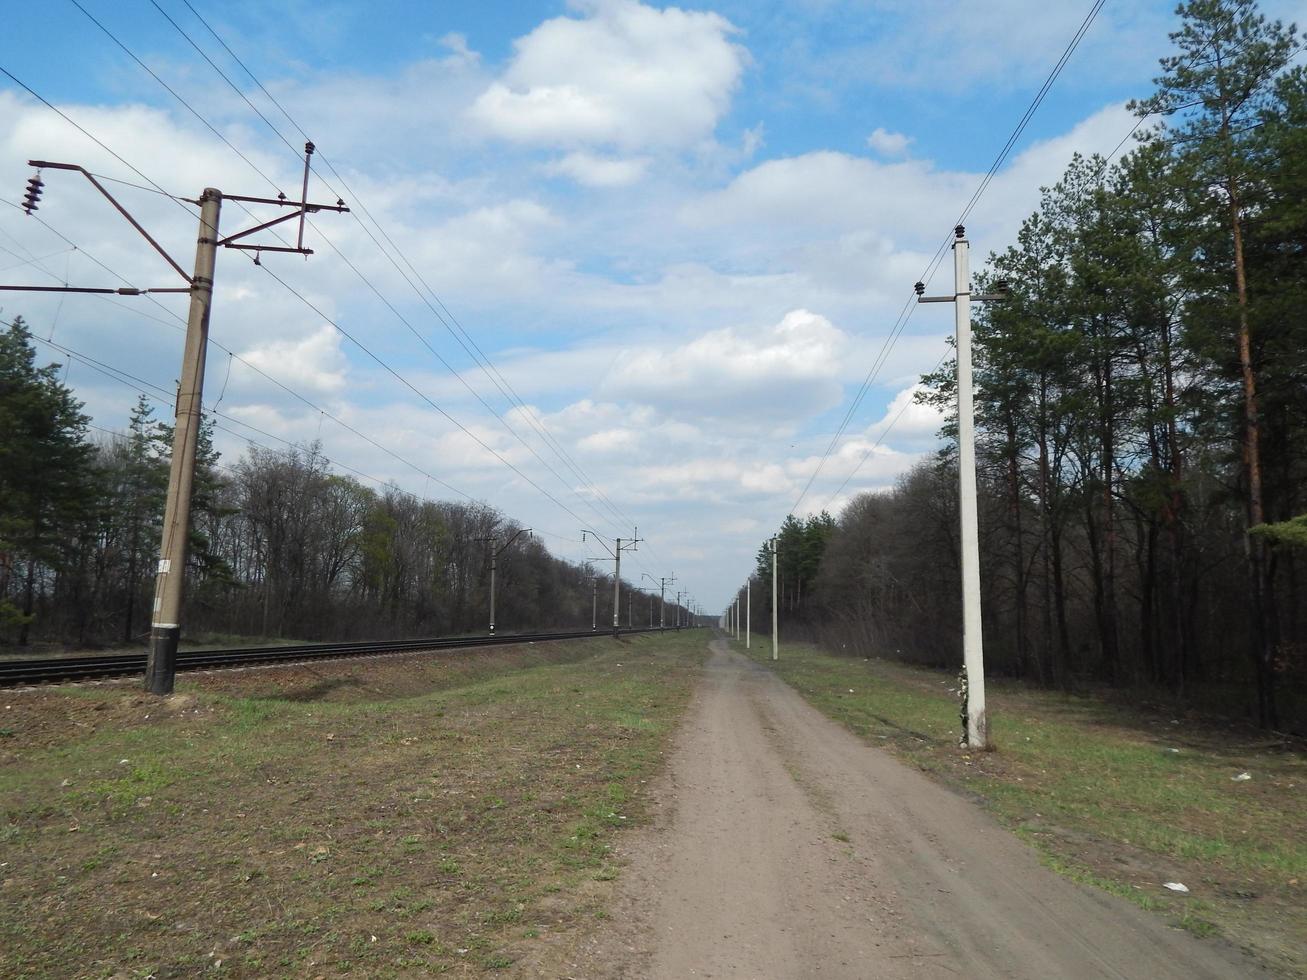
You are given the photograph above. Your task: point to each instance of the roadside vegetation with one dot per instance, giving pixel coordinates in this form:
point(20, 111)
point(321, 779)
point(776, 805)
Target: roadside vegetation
point(1124, 797)
point(1140, 407)
point(413, 816)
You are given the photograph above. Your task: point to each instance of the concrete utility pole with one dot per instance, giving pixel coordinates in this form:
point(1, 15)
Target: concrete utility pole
point(594, 596)
point(662, 598)
point(973, 656)
point(616, 553)
point(165, 621)
point(494, 567)
point(748, 611)
point(775, 612)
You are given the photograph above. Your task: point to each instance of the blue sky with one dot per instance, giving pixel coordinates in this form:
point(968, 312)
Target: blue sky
point(681, 233)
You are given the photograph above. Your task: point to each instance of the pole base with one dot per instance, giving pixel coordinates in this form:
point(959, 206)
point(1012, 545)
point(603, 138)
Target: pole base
point(161, 664)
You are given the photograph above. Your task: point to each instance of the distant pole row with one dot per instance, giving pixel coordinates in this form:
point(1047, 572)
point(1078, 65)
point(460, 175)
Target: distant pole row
point(732, 617)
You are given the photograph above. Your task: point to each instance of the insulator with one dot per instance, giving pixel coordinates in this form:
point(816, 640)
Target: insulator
point(33, 194)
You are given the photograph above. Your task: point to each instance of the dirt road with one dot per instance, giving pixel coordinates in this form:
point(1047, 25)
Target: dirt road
point(789, 848)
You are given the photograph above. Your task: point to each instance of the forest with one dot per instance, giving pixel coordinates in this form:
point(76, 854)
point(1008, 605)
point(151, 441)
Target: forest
point(1141, 418)
point(281, 546)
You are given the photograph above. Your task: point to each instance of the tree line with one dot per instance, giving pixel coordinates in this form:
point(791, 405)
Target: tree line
point(1141, 413)
point(281, 546)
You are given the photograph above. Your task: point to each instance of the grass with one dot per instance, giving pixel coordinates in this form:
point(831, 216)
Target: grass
point(1122, 800)
point(446, 815)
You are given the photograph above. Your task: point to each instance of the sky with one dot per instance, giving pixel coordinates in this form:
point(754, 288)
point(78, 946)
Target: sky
point(679, 235)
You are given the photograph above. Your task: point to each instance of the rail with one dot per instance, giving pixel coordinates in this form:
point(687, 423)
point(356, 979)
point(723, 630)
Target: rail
point(23, 672)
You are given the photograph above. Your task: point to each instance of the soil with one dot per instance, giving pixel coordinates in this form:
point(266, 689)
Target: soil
point(787, 847)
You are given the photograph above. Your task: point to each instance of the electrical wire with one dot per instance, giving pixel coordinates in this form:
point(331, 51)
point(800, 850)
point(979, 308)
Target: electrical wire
point(77, 126)
point(150, 71)
point(420, 394)
point(147, 388)
point(475, 352)
point(905, 314)
point(273, 275)
point(180, 325)
point(353, 267)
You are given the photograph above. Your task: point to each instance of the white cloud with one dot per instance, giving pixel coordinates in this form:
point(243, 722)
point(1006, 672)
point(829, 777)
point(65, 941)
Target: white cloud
point(740, 374)
point(618, 313)
point(607, 441)
point(315, 362)
point(596, 171)
point(907, 421)
point(887, 143)
point(460, 55)
point(623, 74)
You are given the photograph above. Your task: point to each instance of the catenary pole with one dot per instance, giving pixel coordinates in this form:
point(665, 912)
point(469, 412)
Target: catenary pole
point(617, 586)
point(165, 624)
point(170, 574)
point(494, 566)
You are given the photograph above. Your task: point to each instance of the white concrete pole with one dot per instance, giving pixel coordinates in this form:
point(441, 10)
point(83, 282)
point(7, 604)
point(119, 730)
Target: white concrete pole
point(972, 644)
point(775, 611)
point(748, 611)
point(494, 565)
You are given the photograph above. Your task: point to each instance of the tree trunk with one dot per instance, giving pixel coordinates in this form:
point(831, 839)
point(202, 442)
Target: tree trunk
point(29, 601)
point(1262, 641)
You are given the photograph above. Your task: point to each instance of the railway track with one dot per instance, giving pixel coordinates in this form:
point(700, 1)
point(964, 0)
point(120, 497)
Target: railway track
point(14, 673)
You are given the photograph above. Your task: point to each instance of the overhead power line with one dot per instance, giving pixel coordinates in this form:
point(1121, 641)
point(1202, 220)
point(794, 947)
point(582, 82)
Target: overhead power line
point(905, 314)
point(285, 285)
point(440, 311)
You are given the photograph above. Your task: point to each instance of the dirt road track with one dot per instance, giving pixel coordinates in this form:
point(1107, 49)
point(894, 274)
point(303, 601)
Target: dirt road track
point(789, 848)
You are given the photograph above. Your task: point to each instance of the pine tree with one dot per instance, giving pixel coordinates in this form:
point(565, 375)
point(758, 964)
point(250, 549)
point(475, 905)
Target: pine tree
point(142, 490)
point(45, 471)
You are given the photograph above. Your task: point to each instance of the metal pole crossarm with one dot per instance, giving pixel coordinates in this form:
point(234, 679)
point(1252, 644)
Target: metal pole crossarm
point(302, 208)
point(47, 164)
point(585, 531)
point(516, 534)
point(109, 290)
point(339, 206)
point(226, 242)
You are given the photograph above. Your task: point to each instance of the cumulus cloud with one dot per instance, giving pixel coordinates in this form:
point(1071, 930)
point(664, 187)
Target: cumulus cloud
point(608, 440)
point(597, 171)
point(623, 74)
point(739, 373)
point(887, 143)
point(315, 362)
point(908, 421)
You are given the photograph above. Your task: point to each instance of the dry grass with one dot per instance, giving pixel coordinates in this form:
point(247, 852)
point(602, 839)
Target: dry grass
point(399, 817)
